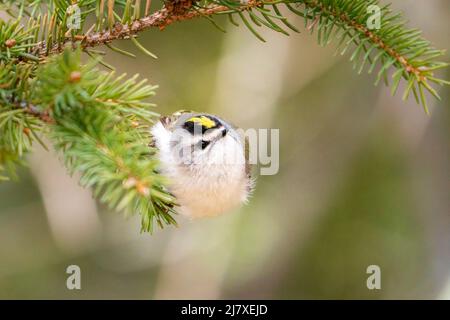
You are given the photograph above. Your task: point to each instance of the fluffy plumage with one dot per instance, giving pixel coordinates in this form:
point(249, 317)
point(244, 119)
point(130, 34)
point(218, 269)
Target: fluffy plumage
point(204, 159)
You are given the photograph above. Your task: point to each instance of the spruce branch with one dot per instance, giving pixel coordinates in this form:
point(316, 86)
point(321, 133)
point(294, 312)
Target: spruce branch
point(99, 121)
point(159, 19)
point(18, 126)
point(392, 49)
point(101, 126)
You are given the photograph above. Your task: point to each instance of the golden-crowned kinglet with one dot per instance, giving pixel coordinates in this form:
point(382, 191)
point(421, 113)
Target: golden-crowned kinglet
point(204, 159)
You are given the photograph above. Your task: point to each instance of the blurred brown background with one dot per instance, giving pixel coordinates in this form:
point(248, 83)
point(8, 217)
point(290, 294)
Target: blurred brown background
point(364, 179)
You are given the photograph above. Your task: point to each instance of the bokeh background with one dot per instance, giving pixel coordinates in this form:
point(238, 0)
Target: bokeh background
point(364, 179)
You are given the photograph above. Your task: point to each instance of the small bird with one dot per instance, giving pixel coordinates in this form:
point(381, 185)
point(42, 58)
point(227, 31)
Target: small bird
point(204, 159)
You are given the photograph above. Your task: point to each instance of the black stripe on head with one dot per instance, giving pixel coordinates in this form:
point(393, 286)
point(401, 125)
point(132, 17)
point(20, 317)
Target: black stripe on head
point(201, 123)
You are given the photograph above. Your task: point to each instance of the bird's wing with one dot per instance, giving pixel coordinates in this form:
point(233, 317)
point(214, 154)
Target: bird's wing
point(169, 121)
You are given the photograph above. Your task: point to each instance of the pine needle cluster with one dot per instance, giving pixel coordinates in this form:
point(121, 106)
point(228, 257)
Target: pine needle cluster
point(99, 122)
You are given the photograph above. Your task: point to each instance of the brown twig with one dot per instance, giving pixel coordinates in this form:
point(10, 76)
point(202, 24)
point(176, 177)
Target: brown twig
point(35, 111)
point(169, 14)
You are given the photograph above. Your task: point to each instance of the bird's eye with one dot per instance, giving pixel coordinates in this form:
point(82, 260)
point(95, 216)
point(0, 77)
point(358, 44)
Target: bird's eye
point(205, 144)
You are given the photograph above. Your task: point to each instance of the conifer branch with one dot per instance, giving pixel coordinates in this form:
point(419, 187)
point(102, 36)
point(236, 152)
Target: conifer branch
point(100, 121)
point(101, 128)
point(391, 47)
point(159, 19)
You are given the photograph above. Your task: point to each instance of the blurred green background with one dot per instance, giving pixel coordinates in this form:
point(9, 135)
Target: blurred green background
point(364, 179)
